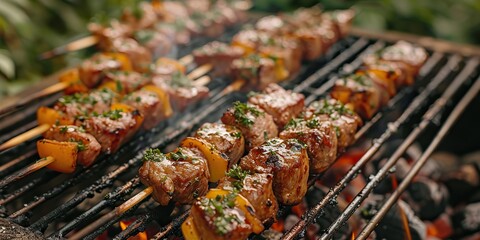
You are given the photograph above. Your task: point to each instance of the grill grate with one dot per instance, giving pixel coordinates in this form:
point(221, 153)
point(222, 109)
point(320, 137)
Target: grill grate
point(114, 176)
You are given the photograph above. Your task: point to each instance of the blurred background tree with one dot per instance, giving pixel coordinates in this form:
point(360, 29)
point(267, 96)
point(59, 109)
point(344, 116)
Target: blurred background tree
point(30, 27)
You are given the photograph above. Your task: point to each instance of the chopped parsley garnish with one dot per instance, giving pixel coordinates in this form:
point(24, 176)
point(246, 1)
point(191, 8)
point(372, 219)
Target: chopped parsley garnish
point(153, 154)
point(138, 99)
point(240, 113)
point(178, 155)
point(179, 80)
point(236, 134)
point(220, 210)
point(80, 145)
point(238, 174)
point(325, 107)
point(63, 129)
point(113, 114)
point(313, 123)
point(119, 86)
point(293, 123)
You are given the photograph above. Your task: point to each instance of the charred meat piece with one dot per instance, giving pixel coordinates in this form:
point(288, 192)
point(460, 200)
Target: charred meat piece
point(149, 105)
point(345, 121)
point(179, 176)
point(112, 128)
point(88, 147)
point(142, 16)
point(222, 215)
point(256, 125)
point(181, 90)
point(405, 75)
point(158, 43)
point(139, 56)
point(84, 104)
point(361, 92)
point(284, 48)
point(255, 187)
point(125, 81)
point(106, 34)
point(288, 161)
point(257, 71)
point(92, 70)
point(227, 139)
point(319, 136)
point(218, 54)
point(281, 104)
point(406, 53)
point(344, 19)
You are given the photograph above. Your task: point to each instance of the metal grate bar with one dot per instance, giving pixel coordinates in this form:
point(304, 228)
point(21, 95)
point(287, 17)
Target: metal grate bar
point(426, 120)
point(452, 118)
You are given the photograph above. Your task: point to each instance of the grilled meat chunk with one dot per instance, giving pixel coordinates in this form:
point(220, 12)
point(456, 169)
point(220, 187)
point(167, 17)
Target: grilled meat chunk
point(359, 91)
point(319, 136)
point(159, 43)
point(181, 90)
point(218, 54)
point(112, 128)
point(256, 188)
point(281, 104)
point(226, 139)
point(256, 125)
point(149, 105)
point(288, 161)
point(345, 121)
point(283, 48)
point(92, 70)
point(88, 147)
point(179, 176)
point(83, 104)
point(139, 55)
point(126, 82)
point(257, 71)
point(406, 53)
point(223, 215)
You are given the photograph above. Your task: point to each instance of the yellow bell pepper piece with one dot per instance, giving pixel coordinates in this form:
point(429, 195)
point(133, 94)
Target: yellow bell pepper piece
point(168, 61)
point(217, 165)
point(64, 153)
point(243, 204)
point(122, 58)
point(50, 116)
point(163, 96)
point(189, 230)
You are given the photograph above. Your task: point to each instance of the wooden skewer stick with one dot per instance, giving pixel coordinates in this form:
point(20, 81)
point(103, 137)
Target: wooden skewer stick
point(70, 47)
point(25, 136)
point(186, 59)
point(200, 71)
point(118, 211)
point(195, 75)
point(26, 171)
point(203, 81)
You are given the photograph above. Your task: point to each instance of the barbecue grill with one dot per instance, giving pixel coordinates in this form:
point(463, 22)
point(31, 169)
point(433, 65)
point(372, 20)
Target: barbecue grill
point(82, 204)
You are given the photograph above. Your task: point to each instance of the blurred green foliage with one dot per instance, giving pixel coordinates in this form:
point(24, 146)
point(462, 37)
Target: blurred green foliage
point(30, 27)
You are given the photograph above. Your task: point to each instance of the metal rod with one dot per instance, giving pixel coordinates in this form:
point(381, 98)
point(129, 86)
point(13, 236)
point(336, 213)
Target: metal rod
point(452, 118)
point(333, 64)
point(89, 214)
point(426, 120)
point(420, 100)
point(41, 163)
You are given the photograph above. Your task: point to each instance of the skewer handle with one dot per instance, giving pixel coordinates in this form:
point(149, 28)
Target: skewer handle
point(26, 171)
point(200, 71)
point(133, 201)
point(25, 136)
point(203, 81)
point(70, 47)
point(186, 59)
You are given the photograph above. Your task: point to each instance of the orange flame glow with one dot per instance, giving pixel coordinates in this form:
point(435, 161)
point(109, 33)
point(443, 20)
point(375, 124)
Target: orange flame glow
point(353, 235)
point(140, 236)
point(408, 235)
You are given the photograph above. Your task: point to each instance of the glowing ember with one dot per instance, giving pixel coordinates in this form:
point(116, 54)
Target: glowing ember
point(408, 235)
point(140, 236)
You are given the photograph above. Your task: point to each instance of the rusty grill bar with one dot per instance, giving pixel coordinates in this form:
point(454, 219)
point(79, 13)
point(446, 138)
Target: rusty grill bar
point(442, 71)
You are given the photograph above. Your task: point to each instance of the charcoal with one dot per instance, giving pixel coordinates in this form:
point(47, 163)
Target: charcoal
point(391, 226)
point(428, 198)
